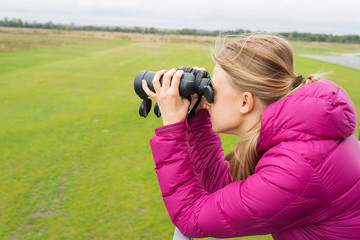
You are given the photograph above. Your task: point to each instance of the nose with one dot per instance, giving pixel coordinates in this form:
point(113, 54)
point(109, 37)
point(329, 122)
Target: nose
point(206, 103)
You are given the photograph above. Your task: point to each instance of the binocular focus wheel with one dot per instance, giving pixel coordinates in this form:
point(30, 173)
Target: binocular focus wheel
point(145, 107)
point(157, 110)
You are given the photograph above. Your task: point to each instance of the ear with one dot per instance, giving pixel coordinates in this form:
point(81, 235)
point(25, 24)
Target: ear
point(247, 103)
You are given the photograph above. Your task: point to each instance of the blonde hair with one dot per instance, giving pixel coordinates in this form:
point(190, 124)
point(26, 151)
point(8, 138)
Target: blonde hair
point(262, 64)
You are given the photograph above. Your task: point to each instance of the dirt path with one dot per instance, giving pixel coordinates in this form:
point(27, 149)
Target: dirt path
point(346, 59)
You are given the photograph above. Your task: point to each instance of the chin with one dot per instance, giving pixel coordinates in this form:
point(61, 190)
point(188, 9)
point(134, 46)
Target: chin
point(218, 130)
point(214, 129)
point(224, 131)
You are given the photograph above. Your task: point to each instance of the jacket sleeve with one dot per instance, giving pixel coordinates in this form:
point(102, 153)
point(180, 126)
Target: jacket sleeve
point(272, 199)
point(206, 153)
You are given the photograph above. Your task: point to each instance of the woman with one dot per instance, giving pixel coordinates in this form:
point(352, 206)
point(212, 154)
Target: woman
point(295, 173)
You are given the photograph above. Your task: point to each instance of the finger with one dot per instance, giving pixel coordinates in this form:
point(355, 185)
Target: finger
point(175, 83)
point(194, 96)
point(156, 81)
point(204, 103)
point(189, 103)
point(192, 103)
point(167, 78)
point(147, 90)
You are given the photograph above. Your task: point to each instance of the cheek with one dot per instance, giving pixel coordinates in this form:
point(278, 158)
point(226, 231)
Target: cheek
point(224, 118)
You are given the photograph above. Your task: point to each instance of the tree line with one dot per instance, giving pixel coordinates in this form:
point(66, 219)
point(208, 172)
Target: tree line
point(292, 36)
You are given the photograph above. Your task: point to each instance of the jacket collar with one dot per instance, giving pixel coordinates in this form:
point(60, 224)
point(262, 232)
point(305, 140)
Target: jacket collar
point(320, 110)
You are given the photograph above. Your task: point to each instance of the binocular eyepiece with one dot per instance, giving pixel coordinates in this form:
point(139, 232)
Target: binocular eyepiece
point(192, 81)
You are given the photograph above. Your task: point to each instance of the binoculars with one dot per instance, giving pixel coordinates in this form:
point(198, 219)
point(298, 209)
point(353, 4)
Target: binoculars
point(192, 81)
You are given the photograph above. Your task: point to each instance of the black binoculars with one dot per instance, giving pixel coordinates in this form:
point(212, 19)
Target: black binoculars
point(192, 81)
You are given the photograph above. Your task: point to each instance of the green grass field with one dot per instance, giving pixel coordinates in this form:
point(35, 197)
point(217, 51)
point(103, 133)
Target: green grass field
point(75, 155)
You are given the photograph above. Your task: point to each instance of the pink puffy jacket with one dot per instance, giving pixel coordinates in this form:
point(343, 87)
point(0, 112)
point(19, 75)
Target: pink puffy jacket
point(306, 184)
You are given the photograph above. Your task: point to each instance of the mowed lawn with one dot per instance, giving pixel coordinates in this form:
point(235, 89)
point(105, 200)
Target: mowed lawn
point(75, 155)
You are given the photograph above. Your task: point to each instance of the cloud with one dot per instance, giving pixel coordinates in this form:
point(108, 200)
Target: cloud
point(331, 16)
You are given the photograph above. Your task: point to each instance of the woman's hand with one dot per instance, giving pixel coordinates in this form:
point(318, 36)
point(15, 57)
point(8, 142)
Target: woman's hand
point(172, 106)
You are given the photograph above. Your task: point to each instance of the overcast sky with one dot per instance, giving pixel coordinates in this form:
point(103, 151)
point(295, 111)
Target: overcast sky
point(316, 16)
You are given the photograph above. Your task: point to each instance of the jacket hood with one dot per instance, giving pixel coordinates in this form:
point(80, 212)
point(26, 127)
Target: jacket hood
point(319, 110)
